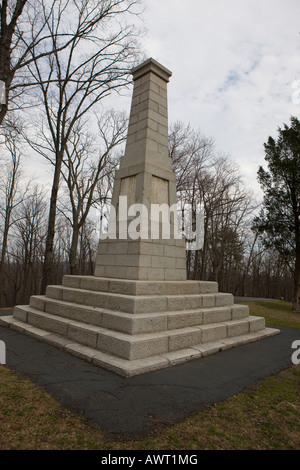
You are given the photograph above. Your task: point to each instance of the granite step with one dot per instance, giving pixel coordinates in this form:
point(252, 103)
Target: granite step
point(137, 346)
point(129, 368)
point(132, 323)
point(127, 287)
point(138, 304)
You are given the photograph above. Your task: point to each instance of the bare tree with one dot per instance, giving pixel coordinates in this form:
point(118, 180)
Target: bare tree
point(11, 195)
point(23, 27)
point(190, 151)
point(82, 173)
point(30, 234)
point(72, 81)
point(31, 30)
point(212, 181)
point(88, 246)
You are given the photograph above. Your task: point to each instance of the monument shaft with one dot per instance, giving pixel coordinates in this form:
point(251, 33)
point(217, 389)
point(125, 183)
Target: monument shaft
point(146, 178)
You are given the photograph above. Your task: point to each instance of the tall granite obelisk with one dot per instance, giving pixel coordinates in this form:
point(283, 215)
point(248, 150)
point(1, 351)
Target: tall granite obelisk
point(138, 313)
point(146, 179)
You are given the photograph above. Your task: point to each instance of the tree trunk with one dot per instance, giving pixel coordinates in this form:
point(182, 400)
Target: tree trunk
point(296, 302)
point(47, 268)
point(73, 259)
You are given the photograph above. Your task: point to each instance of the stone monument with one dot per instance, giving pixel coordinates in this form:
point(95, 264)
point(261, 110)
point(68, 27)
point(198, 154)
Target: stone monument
point(145, 178)
point(139, 313)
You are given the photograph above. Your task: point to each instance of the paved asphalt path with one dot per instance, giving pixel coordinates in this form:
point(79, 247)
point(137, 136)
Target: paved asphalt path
point(141, 404)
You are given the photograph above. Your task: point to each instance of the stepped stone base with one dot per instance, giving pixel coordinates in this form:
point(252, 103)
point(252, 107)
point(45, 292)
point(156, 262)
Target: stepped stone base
point(133, 327)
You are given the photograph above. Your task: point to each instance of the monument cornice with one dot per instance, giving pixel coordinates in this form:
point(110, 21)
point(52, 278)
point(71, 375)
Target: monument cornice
point(153, 66)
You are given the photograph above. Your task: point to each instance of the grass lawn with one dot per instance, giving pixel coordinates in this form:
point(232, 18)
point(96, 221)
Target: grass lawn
point(266, 416)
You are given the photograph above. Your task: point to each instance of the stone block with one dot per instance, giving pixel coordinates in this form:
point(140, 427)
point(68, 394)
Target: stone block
point(154, 135)
point(147, 304)
point(11, 322)
point(212, 333)
point(54, 292)
point(102, 247)
point(38, 302)
point(154, 116)
point(145, 261)
point(147, 347)
point(35, 332)
point(181, 288)
point(117, 302)
point(57, 340)
point(154, 126)
point(171, 251)
point(131, 348)
point(157, 98)
point(156, 88)
point(184, 302)
point(149, 248)
point(153, 323)
point(224, 299)
point(121, 322)
point(48, 323)
point(239, 311)
point(94, 283)
point(127, 260)
point(92, 316)
point(209, 348)
point(237, 328)
point(127, 368)
point(180, 263)
point(177, 320)
point(83, 334)
point(150, 288)
point(184, 338)
point(151, 274)
point(208, 287)
point(134, 324)
point(175, 274)
point(117, 248)
point(216, 315)
point(89, 298)
point(106, 260)
point(208, 301)
point(163, 262)
point(71, 281)
point(76, 312)
point(115, 272)
point(160, 82)
point(256, 324)
point(118, 286)
point(20, 313)
point(99, 270)
point(68, 295)
point(133, 272)
point(182, 355)
point(57, 308)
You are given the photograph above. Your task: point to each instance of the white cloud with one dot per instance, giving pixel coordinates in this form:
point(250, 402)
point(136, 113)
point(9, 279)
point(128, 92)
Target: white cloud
point(233, 67)
point(234, 64)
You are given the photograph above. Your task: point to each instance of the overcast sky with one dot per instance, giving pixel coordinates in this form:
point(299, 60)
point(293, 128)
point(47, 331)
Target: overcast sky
point(234, 65)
